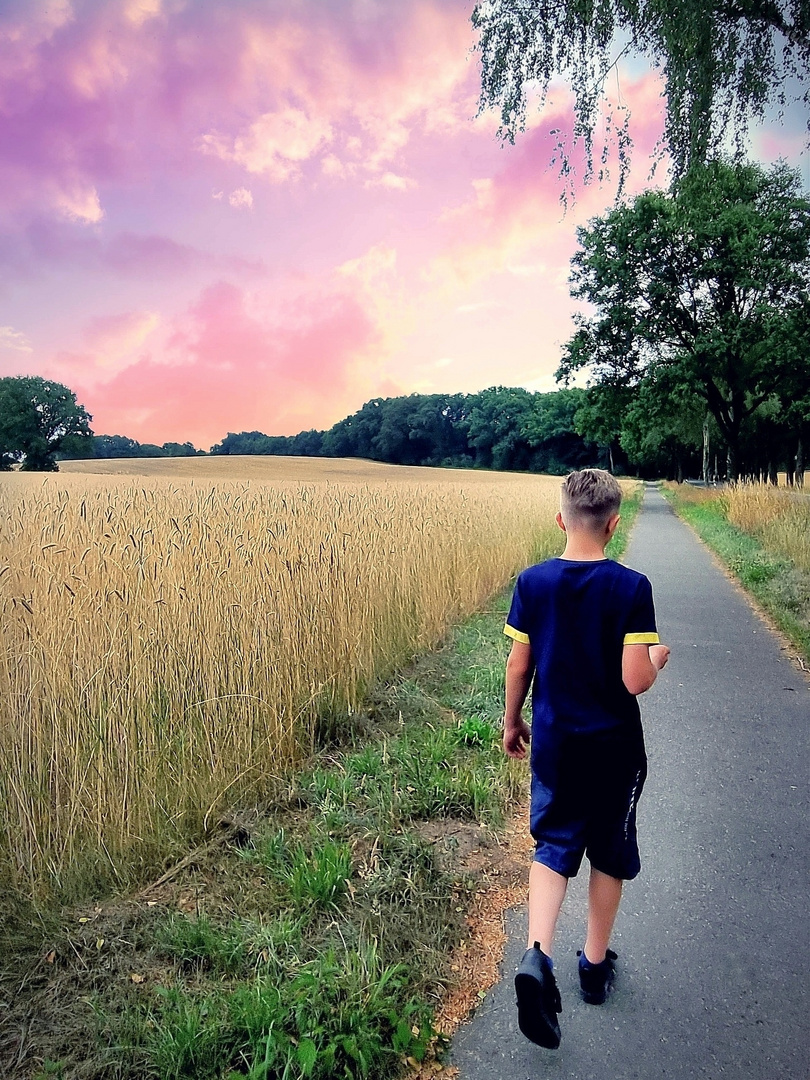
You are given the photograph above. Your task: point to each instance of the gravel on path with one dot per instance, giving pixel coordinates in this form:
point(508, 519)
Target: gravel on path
point(714, 936)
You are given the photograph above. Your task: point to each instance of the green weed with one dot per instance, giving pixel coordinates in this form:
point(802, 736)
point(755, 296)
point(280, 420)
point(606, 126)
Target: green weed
point(475, 731)
point(341, 1014)
point(199, 943)
point(313, 874)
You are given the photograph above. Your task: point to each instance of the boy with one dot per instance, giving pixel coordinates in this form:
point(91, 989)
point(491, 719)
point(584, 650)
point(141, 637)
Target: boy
point(583, 628)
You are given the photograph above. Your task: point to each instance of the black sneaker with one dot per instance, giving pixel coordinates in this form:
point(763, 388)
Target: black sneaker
point(595, 979)
point(538, 999)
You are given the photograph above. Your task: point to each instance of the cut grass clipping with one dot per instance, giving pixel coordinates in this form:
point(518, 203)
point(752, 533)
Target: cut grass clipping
point(768, 557)
point(317, 944)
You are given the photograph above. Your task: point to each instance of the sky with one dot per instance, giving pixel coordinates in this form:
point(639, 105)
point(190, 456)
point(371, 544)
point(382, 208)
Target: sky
point(236, 215)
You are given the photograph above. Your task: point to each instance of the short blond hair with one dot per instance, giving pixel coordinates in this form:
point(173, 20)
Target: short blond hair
point(590, 498)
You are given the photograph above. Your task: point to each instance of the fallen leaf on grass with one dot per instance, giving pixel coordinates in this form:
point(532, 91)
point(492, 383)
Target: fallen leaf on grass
point(136, 978)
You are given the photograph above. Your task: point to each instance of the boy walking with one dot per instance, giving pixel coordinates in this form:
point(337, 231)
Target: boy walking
point(585, 641)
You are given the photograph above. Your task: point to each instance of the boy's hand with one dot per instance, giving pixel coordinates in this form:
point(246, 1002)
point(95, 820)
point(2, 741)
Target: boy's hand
point(659, 654)
point(516, 738)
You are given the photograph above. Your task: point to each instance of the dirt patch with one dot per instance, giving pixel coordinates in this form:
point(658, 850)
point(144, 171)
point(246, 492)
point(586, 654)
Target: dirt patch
point(502, 864)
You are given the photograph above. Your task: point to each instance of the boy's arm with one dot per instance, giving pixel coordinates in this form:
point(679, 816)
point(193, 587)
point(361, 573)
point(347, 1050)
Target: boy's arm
point(519, 673)
point(640, 666)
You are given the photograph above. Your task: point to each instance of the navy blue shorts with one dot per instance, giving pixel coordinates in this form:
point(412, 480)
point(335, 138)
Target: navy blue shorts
point(584, 797)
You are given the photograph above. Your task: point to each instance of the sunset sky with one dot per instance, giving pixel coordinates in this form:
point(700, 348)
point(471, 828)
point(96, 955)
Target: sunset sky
point(223, 216)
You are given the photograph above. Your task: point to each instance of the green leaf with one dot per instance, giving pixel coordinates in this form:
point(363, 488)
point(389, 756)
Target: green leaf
point(307, 1056)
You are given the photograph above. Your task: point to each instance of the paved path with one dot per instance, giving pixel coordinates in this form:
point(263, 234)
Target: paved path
point(714, 935)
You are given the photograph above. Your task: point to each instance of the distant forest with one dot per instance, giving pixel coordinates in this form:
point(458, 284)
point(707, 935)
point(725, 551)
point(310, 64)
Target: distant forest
point(499, 428)
point(505, 428)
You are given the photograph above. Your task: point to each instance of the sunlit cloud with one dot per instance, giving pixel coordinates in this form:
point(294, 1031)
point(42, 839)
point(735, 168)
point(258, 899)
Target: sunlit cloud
point(378, 262)
point(140, 11)
point(275, 145)
point(528, 271)
point(275, 372)
point(80, 204)
point(241, 199)
point(115, 340)
point(391, 181)
point(14, 340)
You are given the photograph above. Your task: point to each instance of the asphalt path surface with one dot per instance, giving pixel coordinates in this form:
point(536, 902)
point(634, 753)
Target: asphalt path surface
point(713, 937)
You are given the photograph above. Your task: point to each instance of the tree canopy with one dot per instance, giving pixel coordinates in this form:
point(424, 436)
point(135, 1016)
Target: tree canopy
point(38, 419)
point(501, 427)
point(723, 63)
point(702, 294)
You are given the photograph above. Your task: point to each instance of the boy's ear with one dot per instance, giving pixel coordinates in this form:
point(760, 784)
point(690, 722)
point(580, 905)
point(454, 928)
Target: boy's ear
point(612, 524)
point(559, 520)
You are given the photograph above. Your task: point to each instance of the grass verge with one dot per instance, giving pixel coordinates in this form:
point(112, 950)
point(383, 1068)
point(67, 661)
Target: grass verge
point(631, 504)
point(310, 939)
point(777, 584)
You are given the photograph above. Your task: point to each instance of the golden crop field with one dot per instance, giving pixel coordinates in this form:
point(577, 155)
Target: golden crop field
point(779, 517)
point(261, 469)
point(168, 642)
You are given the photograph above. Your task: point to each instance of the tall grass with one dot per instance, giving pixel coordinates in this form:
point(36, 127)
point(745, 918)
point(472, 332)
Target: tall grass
point(166, 646)
point(762, 533)
point(779, 518)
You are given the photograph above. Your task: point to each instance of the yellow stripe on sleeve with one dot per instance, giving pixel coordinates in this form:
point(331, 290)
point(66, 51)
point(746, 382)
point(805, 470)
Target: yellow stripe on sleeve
point(641, 639)
point(511, 632)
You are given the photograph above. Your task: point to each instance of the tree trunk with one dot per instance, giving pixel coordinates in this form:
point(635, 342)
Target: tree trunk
point(800, 464)
point(731, 464)
point(773, 476)
point(610, 455)
point(706, 451)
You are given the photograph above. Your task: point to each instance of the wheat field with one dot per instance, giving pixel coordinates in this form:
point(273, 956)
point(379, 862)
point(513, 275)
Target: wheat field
point(779, 517)
point(170, 643)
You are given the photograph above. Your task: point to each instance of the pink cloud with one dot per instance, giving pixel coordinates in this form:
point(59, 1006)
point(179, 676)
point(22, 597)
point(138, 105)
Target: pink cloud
point(229, 367)
point(515, 218)
point(47, 242)
point(107, 93)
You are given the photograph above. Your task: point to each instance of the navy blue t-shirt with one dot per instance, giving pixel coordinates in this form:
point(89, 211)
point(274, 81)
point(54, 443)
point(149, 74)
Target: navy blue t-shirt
point(577, 617)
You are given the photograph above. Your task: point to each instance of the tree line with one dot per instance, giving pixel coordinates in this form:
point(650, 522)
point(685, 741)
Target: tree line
point(498, 428)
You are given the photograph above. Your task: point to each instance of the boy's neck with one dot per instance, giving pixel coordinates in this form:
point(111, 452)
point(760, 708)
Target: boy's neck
point(586, 545)
point(584, 548)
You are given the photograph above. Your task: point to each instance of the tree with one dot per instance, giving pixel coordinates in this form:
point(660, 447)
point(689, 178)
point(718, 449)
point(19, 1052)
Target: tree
point(600, 418)
point(550, 430)
point(38, 419)
point(495, 427)
point(711, 283)
point(175, 449)
point(723, 62)
point(662, 428)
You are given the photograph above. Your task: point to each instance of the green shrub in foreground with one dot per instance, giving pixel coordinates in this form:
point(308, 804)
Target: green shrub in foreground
point(340, 1015)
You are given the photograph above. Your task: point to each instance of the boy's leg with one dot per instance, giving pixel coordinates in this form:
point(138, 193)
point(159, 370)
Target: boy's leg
point(546, 894)
point(538, 999)
point(604, 894)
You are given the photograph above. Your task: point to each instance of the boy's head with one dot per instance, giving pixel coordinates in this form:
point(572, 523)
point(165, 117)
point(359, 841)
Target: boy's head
point(589, 499)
